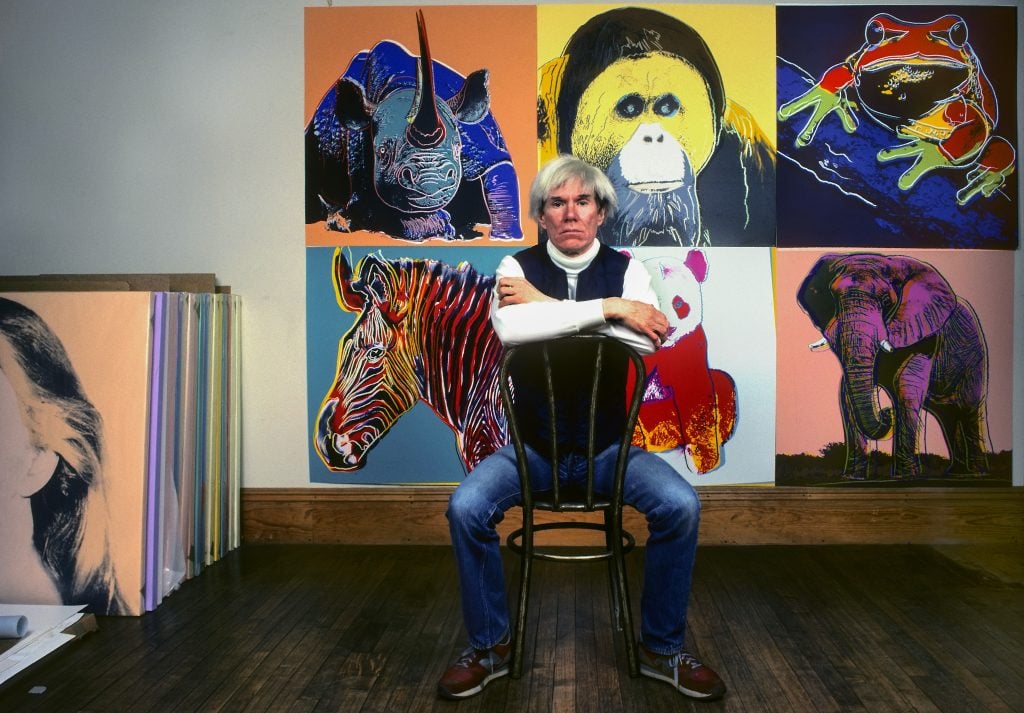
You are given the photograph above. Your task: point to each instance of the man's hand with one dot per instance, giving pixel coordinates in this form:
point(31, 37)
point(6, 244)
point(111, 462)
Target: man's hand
point(517, 291)
point(638, 316)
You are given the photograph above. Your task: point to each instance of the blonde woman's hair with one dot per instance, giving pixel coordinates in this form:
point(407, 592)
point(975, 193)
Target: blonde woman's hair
point(69, 513)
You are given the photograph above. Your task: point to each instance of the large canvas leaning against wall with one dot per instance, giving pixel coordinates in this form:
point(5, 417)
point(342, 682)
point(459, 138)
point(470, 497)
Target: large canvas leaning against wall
point(74, 420)
point(910, 378)
point(897, 126)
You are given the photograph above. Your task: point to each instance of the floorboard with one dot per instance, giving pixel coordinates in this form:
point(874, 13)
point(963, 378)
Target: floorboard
point(370, 629)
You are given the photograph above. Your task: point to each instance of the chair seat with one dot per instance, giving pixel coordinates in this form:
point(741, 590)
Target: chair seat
point(570, 499)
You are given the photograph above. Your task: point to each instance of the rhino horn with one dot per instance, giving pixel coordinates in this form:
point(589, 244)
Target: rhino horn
point(425, 127)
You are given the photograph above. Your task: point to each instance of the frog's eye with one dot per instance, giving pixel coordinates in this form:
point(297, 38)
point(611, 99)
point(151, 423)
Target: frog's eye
point(955, 36)
point(883, 27)
point(874, 32)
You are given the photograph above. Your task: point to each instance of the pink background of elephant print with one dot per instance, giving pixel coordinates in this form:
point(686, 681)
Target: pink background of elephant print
point(808, 382)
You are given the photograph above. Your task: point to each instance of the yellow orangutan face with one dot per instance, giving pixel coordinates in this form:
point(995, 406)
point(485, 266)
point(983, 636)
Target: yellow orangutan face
point(629, 93)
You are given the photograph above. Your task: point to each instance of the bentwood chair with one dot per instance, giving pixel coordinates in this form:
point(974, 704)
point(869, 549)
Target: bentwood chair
point(546, 375)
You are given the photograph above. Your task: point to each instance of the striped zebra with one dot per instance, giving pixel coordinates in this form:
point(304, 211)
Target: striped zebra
point(423, 333)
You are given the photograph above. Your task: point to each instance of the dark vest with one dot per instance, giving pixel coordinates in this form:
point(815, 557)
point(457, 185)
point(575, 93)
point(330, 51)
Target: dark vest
point(604, 277)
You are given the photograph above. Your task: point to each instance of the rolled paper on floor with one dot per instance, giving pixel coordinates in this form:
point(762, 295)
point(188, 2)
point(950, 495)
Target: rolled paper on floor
point(13, 627)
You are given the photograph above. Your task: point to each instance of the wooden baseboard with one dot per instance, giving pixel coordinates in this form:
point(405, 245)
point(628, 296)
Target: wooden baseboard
point(745, 515)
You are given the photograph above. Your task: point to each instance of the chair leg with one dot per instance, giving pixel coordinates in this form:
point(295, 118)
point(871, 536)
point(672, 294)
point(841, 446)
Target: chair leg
point(632, 658)
point(620, 595)
point(519, 634)
point(612, 575)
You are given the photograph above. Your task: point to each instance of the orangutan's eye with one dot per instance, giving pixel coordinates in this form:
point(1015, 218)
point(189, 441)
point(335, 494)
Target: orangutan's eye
point(630, 106)
point(666, 105)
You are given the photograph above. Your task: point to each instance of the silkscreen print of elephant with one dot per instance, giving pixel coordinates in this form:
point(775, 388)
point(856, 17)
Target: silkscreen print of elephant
point(895, 324)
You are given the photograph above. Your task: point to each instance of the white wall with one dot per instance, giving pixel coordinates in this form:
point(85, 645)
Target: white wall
point(143, 137)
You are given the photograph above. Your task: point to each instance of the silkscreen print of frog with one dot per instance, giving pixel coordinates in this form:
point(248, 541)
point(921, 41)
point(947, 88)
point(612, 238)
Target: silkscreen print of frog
point(915, 95)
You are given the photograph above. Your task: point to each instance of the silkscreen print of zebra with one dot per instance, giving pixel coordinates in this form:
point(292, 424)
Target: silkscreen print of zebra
point(422, 333)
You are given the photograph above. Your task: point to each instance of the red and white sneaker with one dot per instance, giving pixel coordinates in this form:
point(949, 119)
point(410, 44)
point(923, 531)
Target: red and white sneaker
point(686, 674)
point(473, 670)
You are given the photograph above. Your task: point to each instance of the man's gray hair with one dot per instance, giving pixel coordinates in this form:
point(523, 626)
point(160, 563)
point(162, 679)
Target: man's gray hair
point(559, 171)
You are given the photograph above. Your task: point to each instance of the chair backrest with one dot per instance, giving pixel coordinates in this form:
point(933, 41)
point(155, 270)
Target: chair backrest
point(571, 394)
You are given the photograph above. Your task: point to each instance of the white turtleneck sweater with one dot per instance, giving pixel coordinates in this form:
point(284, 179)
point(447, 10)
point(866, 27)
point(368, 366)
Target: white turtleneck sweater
point(536, 321)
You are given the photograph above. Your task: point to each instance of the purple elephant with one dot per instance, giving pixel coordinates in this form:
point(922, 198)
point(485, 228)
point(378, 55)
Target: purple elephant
point(894, 323)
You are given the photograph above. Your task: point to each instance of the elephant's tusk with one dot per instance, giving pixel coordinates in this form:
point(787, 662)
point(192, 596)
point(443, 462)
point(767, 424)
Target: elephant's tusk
point(818, 345)
point(884, 344)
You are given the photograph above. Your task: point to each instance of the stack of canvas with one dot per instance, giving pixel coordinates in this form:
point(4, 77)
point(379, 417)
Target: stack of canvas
point(119, 416)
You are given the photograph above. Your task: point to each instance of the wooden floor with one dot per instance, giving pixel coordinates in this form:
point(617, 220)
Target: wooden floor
point(339, 628)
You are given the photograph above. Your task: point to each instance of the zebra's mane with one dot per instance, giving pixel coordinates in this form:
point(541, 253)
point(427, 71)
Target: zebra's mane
point(449, 319)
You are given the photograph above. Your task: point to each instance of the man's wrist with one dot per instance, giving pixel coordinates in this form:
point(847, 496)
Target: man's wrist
point(608, 305)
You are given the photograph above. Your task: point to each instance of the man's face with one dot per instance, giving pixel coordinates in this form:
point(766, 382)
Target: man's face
point(571, 217)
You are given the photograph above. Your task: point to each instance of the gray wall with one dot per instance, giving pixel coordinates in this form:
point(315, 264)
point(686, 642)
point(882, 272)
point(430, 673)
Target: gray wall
point(143, 137)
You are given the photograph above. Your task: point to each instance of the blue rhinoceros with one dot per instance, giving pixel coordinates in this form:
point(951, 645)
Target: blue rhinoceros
point(407, 146)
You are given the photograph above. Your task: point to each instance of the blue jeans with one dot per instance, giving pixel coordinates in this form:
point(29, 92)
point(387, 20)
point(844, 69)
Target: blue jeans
point(652, 486)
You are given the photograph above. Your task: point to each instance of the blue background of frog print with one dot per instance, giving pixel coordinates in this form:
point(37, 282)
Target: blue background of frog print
point(835, 193)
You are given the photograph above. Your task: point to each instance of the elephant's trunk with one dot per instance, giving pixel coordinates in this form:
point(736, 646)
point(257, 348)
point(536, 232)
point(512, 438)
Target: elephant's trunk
point(859, 338)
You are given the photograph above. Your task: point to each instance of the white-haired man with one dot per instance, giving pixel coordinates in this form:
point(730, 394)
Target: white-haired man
point(571, 283)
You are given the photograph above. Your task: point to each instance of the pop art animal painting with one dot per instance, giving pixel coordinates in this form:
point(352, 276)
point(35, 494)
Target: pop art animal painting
point(422, 333)
point(925, 84)
point(895, 324)
point(916, 125)
point(719, 363)
point(687, 405)
point(639, 93)
point(402, 145)
point(402, 385)
point(909, 371)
